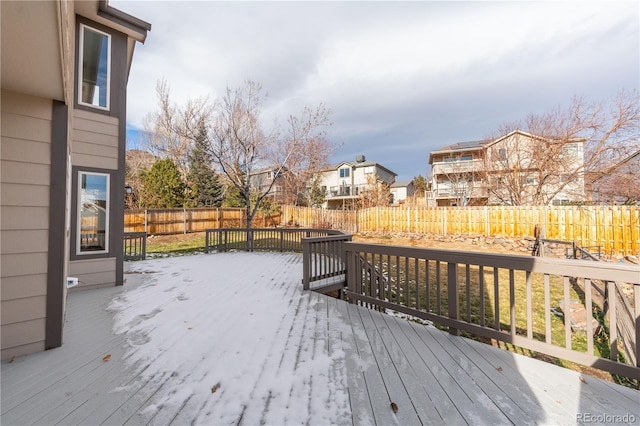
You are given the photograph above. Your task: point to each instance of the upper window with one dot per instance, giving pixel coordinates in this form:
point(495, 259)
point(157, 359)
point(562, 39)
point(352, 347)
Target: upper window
point(369, 170)
point(93, 213)
point(95, 64)
point(344, 173)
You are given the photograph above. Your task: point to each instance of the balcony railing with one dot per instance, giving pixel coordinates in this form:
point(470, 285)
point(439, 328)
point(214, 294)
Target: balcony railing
point(344, 191)
point(448, 192)
point(468, 166)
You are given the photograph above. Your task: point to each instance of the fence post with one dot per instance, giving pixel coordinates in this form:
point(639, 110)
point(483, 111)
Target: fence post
point(145, 221)
point(444, 221)
point(184, 220)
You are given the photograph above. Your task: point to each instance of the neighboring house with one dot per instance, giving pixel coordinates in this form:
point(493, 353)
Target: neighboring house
point(457, 172)
point(517, 168)
point(347, 182)
point(401, 191)
point(525, 169)
point(261, 180)
point(65, 67)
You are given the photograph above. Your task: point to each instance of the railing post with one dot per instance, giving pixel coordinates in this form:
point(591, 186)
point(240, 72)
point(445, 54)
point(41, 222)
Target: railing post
point(453, 295)
point(350, 274)
point(184, 220)
point(306, 264)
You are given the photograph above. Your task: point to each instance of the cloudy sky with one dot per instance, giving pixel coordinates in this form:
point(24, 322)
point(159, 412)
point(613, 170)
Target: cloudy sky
point(401, 78)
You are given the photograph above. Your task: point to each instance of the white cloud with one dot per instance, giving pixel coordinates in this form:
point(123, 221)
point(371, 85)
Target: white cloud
point(439, 71)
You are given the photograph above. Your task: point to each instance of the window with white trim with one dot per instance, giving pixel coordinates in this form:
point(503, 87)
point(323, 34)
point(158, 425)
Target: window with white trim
point(93, 213)
point(94, 73)
point(344, 172)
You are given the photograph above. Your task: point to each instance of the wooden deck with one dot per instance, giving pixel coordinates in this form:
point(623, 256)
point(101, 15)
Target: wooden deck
point(321, 361)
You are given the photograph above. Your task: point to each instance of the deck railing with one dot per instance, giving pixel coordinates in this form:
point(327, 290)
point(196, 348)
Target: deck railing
point(421, 282)
point(135, 245)
point(324, 263)
point(263, 239)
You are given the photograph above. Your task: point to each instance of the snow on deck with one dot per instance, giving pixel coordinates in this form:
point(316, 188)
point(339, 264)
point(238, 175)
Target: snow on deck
point(232, 338)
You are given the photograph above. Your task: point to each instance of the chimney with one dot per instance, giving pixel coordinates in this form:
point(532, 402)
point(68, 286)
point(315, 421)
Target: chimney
point(360, 159)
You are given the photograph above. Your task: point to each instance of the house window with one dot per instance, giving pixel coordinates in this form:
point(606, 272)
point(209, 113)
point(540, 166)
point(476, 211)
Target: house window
point(344, 173)
point(502, 154)
point(94, 70)
point(369, 170)
point(93, 213)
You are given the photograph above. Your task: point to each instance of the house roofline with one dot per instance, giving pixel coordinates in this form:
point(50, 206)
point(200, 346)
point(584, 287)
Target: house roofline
point(529, 135)
point(119, 17)
point(359, 165)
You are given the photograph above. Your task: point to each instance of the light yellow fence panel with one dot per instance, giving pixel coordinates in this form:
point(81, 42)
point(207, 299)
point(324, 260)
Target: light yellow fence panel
point(615, 229)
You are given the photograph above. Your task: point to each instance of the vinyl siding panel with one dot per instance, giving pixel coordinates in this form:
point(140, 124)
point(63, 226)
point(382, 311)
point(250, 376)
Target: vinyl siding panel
point(15, 194)
point(94, 161)
point(22, 349)
point(25, 218)
point(25, 176)
point(26, 151)
point(94, 272)
point(24, 173)
point(95, 140)
point(22, 333)
point(26, 128)
point(30, 241)
point(22, 310)
point(24, 286)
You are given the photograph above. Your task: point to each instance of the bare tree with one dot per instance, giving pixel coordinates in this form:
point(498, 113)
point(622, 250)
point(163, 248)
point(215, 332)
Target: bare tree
point(170, 130)
point(377, 193)
point(241, 147)
point(554, 153)
point(137, 164)
point(306, 150)
point(618, 184)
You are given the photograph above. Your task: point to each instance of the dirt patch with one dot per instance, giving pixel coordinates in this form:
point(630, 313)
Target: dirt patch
point(449, 242)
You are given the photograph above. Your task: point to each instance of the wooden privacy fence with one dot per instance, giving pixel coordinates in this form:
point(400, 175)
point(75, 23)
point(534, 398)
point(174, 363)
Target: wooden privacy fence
point(183, 221)
point(616, 229)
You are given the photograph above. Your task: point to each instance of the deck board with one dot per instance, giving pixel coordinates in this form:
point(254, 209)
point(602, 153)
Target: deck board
point(322, 360)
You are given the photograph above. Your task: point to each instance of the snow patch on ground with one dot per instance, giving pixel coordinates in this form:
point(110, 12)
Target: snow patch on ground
point(223, 328)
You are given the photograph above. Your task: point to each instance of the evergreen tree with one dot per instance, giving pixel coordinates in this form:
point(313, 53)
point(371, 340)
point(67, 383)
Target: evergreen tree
point(233, 198)
point(204, 188)
point(163, 186)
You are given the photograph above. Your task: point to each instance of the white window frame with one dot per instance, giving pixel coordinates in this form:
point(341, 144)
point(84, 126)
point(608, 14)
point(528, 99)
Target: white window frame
point(344, 172)
point(80, 68)
point(79, 252)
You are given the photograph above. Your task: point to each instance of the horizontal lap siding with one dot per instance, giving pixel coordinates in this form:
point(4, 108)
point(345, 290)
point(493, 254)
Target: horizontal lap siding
point(25, 177)
point(95, 140)
point(93, 273)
